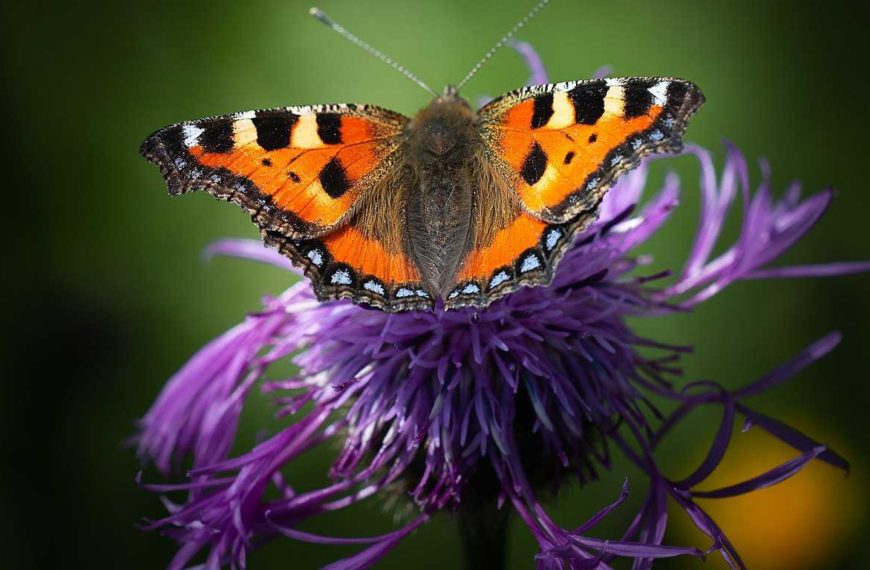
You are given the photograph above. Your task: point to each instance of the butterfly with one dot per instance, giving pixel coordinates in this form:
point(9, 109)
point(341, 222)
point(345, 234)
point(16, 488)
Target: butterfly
point(454, 205)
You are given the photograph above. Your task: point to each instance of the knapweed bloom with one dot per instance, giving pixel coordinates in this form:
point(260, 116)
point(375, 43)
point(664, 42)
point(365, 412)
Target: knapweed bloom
point(484, 412)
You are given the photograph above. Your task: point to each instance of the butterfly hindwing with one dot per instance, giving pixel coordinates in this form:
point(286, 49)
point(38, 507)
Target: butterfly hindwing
point(564, 144)
point(523, 253)
point(303, 173)
point(349, 264)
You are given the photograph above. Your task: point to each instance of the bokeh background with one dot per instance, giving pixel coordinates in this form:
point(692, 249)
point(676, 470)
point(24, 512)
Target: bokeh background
point(105, 294)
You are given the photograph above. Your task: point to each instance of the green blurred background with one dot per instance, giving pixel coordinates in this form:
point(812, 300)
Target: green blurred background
point(105, 294)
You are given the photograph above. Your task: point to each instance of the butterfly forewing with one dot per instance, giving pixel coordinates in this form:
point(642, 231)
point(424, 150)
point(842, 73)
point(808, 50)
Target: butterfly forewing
point(298, 170)
point(565, 144)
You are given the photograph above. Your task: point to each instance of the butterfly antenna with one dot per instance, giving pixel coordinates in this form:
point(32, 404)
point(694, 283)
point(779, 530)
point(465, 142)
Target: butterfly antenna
point(331, 24)
point(502, 42)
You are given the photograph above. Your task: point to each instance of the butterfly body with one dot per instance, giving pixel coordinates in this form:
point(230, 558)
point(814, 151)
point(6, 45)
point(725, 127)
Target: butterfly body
point(453, 205)
point(439, 153)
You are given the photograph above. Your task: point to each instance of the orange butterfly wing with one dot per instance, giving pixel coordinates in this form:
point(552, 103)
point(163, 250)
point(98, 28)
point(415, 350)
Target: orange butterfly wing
point(561, 147)
point(566, 143)
point(301, 173)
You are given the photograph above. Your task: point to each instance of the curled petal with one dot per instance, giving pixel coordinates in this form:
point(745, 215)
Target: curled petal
point(251, 249)
point(717, 449)
point(377, 551)
point(767, 479)
point(782, 373)
point(792, 436)
point(819, 270)
point(600, 515)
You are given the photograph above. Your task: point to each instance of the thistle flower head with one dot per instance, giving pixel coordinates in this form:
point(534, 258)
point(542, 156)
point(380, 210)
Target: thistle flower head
point(454, 409)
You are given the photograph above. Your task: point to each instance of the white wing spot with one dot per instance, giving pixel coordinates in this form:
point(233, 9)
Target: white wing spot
point(660, 92)
point(191, 135)
point(404, 292)
point(316, 257)
point(470, 289)
point(498, 279)
point(553, 238)
point(529, 263)
point(341, 277)
point(374, 287)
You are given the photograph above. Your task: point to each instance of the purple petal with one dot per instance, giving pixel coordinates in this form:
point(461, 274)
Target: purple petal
point(533, 61)
point(601, 514)
point(782, 373)
point(638, 549)
point(251, 249)
point(820, 270)
point(792, 436)
point(717, 449)
point(708, 526)
point(602, 72)
point(767, 479)
point(638, 229)
point(377, 551)
point(715, 201)
point(320, 539)
point(625, 194)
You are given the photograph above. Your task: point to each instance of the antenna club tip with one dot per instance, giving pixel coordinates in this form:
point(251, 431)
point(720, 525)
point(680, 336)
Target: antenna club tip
point(318, 14)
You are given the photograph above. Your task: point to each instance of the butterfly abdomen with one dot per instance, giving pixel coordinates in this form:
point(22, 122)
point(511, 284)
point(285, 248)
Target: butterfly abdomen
point(440, 151)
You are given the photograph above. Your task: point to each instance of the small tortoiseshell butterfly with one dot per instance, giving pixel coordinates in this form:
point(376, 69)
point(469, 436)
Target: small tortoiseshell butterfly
point(454, 204)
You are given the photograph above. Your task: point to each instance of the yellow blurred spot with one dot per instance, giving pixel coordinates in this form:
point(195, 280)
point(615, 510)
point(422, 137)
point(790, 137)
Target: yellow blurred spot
point(805, 522)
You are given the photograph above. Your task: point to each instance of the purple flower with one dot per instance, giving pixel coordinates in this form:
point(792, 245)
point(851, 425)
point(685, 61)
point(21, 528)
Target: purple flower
point(483, 412)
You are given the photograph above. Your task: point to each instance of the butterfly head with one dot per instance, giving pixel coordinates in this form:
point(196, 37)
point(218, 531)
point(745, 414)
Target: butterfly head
point(450, 91)
point(446, 123)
